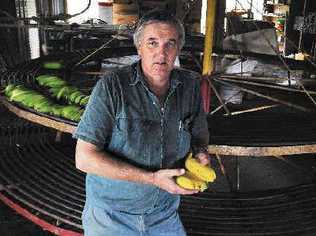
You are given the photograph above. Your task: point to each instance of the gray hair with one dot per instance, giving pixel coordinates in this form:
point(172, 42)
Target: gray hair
point(158, 16)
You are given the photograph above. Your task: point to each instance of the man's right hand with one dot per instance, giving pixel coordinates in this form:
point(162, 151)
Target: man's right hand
point(164, 179)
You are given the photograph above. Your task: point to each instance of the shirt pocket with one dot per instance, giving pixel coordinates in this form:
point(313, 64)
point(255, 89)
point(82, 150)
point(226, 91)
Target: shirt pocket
point(184, 138)
point(131, 140)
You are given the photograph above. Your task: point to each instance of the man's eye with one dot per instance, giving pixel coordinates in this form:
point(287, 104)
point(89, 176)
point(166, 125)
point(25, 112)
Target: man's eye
point(152, 44)
point(171, 44)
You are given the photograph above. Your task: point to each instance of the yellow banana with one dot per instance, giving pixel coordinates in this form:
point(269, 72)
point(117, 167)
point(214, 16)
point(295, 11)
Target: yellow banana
point(202, 172)
point(190, 181)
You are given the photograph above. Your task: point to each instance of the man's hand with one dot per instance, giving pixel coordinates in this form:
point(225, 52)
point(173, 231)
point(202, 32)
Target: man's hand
point(203, 158)
point(164, 179)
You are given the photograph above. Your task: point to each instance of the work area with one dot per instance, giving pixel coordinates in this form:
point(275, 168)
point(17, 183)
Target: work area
point(174, 117)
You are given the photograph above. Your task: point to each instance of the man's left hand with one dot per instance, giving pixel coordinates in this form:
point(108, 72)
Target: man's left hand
point(203, 158)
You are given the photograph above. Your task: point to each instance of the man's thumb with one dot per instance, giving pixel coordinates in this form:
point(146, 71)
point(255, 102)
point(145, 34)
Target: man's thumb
point(179, 172)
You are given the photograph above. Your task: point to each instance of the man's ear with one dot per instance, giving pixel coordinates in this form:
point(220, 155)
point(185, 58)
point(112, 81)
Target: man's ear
point(138, 52)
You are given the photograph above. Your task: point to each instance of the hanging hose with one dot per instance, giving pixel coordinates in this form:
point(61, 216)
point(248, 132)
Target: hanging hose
point(79, 13)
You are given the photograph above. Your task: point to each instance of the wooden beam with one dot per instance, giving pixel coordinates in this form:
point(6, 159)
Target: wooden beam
point(38, 119)
point(261, 151)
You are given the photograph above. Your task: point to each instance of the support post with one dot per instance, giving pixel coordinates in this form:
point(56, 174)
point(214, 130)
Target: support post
point(208, 65)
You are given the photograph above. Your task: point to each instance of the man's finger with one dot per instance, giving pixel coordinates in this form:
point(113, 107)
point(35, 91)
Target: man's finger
point(184, 191)
point(203, 158)
point(174, 172)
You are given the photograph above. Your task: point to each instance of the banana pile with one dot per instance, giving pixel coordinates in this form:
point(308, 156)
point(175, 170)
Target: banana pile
point(37, 101)
point(59, 89)
point(197, 176)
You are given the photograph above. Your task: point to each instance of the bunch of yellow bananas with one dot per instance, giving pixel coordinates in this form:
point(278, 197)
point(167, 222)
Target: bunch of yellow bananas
point(197, 176)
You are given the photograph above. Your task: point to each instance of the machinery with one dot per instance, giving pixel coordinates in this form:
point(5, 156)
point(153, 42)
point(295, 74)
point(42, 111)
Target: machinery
point(257, 100)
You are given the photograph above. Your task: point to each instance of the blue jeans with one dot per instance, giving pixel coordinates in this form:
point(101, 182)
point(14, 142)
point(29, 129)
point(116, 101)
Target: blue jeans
point(106, 222)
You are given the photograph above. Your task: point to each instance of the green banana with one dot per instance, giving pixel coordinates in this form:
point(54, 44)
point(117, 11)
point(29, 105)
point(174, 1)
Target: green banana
point(62, 92)
point(33, 99)
point(22, 96)
point(50, 81)
point(78, 115)
point(53, 65)
point(70, 112)
point(55, 83)
point(78, 99)
point(19, 93)
point(57, 110)
point(84, 101)
point(65, 92)
point(74, 95)
point(44, 106)
point(54, 91)
point(8, 89)
point(43, 79)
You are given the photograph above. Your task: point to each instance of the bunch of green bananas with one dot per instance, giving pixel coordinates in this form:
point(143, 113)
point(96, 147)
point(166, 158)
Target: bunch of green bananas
point(28, 97)
point(35, 100)
point(50, 81)
point(53, 65)
point(59, 89)
point(70, 94)
point(72, 112)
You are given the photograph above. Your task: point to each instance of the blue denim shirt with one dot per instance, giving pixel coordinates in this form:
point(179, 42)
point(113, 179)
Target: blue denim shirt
point(125, 118)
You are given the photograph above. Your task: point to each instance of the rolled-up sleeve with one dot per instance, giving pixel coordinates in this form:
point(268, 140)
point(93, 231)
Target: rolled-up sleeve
point(97, 121)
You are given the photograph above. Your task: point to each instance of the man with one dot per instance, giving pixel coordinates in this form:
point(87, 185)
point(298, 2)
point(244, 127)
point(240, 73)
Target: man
point(141, 121)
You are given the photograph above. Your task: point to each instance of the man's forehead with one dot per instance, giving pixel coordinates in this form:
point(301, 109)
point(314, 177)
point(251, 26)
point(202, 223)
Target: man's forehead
point(157, 29)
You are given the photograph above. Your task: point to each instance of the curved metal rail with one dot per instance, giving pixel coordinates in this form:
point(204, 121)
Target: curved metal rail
point(283, 212)
point(39, 180)
point(16, 131)
point(42, 179)
point(223, 142)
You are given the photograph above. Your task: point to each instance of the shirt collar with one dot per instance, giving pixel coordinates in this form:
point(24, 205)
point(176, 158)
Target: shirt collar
point(138, 76)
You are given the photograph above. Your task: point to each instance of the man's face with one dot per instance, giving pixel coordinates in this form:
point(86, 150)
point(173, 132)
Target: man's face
point(158, 49)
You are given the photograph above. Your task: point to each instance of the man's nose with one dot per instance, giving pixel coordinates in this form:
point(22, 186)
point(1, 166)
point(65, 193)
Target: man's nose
point(162, 50)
